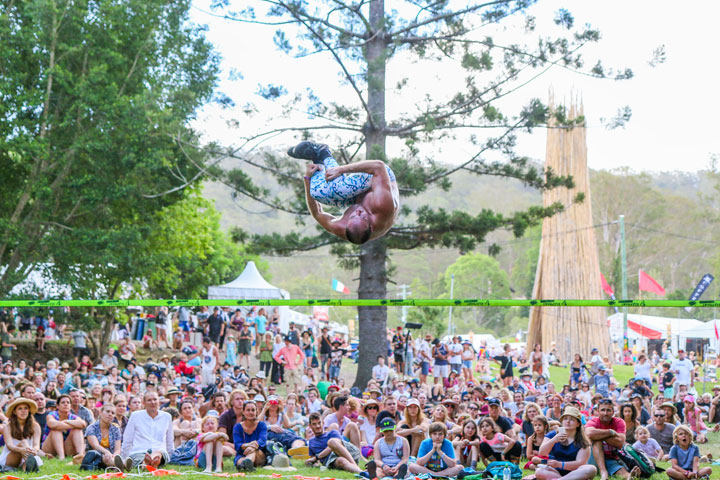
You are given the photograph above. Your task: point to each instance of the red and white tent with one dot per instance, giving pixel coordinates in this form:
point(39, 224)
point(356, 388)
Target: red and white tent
point(648, 327)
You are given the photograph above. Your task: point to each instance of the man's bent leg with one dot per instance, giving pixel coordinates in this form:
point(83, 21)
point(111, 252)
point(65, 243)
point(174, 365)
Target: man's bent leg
point(340, 192)
point(337, 446)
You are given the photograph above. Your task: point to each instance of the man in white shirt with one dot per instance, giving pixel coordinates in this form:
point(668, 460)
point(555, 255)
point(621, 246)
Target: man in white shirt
point(148, 437)
point(425, 355)
point(455, 359)
point(400, 391)
point(380, 371)
point(683, 369)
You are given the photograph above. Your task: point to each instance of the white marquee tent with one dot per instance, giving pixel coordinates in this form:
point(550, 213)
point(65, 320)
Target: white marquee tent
point(708, 331)
point(250, 284)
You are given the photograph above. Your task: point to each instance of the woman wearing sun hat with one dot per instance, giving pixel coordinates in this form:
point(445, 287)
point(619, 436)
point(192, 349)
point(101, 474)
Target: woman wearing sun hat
point(567, 450)
point(22, 437)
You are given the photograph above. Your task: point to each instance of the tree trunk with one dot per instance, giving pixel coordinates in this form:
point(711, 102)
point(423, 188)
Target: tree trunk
point(373, 320)
point(373, 276)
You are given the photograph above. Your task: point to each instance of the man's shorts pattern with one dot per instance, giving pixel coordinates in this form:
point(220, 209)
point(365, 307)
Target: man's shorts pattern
point(342, 191)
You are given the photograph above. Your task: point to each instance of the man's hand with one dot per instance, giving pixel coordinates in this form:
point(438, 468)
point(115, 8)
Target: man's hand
point(333, 173)
point(312, 168)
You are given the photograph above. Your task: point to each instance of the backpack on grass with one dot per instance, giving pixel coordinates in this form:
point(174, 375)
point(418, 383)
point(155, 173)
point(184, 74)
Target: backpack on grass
point(496, 470)
point(634, 458)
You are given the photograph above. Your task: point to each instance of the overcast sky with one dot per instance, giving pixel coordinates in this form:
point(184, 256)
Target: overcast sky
point(673, 127)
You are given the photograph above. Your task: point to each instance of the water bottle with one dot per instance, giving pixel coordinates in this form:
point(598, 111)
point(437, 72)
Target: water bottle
point(507, 474)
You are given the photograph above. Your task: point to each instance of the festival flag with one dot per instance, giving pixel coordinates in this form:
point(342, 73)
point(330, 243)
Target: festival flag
point(648, 284)
point(338, 286)
point(700, 288)
point(606, 286)
point(717, 335)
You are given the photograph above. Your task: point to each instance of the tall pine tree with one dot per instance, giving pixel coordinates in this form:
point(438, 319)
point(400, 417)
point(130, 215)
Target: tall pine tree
point(364, 39)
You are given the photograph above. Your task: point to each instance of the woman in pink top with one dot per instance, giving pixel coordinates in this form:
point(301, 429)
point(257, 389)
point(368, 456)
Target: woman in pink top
point(693, 419)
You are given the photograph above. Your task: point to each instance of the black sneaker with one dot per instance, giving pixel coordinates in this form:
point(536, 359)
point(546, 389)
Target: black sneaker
point(402, 471)
point(248, 465)
point(315, 152)
point(371, 469)
point(31, 464)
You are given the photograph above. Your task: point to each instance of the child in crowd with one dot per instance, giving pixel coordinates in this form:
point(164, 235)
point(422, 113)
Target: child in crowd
point(390, 454)
point(693, 418)
point(436, 454)
point(493, 445)
point(666, 382)
point(210, 444)
point(649, 446)
point(532, 447)
point(466, 444)
point(231, 350)
point(685, 457)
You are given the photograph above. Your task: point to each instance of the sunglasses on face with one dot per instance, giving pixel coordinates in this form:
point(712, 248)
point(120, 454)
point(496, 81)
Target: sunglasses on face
point(472, 408)
point(372, 408)
point(657, 415)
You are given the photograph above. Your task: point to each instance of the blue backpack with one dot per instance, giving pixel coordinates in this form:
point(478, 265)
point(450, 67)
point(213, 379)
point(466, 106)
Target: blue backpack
point(496, 470)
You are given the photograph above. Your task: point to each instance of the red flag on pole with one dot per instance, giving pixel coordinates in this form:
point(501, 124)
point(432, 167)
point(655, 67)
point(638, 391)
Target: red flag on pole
point(649, 284)
point(606, 286)
point(717, 335)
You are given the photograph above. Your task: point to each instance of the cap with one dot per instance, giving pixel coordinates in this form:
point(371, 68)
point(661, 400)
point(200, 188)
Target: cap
point(593, 350)
point(260, 374)
point(572, 412)
point(212, 413)
point(526, 374)
point(412, 401)
point(287, 338)
point(493, 401)
point(273, 397)
point(689, 398)
point(386, 424)
point(333, 386)
point(258, 398)
point(337, 340)
point(99, 366)
point(601, 367)
point(716, 387)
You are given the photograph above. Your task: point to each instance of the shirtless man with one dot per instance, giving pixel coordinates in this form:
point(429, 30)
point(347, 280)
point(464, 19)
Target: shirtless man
point(367, 190)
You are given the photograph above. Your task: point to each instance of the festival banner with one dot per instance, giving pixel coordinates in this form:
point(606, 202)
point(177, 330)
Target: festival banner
point(702, 285)
point(648, 284)
point(338, 286)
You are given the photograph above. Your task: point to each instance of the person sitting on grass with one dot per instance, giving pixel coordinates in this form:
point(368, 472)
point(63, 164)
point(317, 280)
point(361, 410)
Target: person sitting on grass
point(104, 437)
point(64, 431)
point(436, 455)
point(249, 437)
point(649, 446)
point(534, 441)
point(327, 448)
point(466, 444)
point(148, 436)
point(693, 419)
point(567, 450)
point(685, 457)
point(494, 446)
point(22, 437)
point(210, 445)
point(390, 454)
point(607, 433)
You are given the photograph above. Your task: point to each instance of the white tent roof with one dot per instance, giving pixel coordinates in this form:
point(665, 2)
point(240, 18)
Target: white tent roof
point(250, 284)
point(648, 326)
point(704, 330)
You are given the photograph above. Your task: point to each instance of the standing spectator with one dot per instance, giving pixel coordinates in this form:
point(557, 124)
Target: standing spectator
point(216, 326)
point(292, 359)
point(161, 317)
point(336, 355)
point(210, 358)
point(244, 346)
point(666, 381)
point(266, 353)
point(398, 342)
point(260, 324)
point(642, 370)
point(506, 366)
point(441, 369)
point(79, 338)
point(183, 318)
point(683, 368)
point(293, 334)
point(7, 347)
point(148, 437)
point(455, 355)
point(325, 349)
point(425, 356)
point(601, 381)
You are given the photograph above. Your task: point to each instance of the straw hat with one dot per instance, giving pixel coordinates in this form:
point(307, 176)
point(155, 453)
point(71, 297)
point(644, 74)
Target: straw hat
point(19, 401)
point(670, 405)
point(572, 412)
point(368, 403)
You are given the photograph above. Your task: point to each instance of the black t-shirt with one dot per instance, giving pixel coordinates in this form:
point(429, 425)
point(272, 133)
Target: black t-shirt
point(667, 378)
point(41, 419)
point(294, 337)
point(325, 345)
point(383, 414)
point(504, 423)
point(215, 322)
point(527, 428)
point(506, 369)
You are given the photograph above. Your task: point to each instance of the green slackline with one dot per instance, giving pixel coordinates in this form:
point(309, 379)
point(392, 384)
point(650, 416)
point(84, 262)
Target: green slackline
point(338, 302)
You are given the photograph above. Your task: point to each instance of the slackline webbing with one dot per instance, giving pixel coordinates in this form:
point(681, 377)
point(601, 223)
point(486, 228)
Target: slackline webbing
point(338, 302)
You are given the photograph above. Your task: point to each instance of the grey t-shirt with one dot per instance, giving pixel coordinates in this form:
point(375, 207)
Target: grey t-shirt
point(79, 339)
point(664, 438)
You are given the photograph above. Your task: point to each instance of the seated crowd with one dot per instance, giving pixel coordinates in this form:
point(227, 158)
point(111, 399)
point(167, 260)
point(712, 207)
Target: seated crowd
point(169, 413)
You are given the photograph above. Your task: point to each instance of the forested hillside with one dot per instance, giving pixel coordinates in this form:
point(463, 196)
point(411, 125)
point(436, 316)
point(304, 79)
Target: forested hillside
point(671, 222)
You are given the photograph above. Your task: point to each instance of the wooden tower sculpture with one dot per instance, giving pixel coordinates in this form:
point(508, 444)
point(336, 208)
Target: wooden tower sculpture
point(568, 265)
